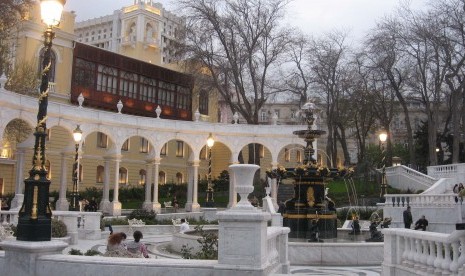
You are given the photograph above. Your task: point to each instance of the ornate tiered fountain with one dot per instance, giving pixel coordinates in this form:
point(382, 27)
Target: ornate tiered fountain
point(310, 213)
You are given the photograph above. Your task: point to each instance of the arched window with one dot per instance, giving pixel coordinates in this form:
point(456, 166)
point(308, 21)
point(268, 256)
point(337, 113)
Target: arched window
point(179, 178)
point(100, 173)
point(123, 175)
point(203, 153)
point(142, 177)
point(162, 178)
point(287, 155)
point(51, 73)
point(203, 102)
point(298, 157)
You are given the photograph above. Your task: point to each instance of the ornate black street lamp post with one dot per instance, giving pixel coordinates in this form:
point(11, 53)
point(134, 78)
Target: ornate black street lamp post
point(34, 222)
point(382, 140)
point(210, 143)
point(77, 135)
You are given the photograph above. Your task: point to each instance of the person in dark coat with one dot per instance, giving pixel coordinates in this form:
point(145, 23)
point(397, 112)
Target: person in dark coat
point(421, 223)
point(408, 220)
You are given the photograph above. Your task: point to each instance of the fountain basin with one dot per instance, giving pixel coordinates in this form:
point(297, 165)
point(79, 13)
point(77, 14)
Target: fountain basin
point(345, 250)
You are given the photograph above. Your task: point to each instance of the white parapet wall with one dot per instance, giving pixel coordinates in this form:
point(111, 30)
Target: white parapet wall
point(409, 252)
point(441, 210)
point(362, 253)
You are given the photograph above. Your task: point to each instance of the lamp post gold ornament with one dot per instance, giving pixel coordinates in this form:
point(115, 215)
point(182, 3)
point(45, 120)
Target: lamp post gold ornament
point(34, 222)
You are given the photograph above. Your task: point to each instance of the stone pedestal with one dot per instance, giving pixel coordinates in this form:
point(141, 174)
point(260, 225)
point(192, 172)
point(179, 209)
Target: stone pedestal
point(62, 204)
point(105, 206)
point(115, 209)
point(21, 256)
point(242, 242)
point(69, 218)
point(195, 207)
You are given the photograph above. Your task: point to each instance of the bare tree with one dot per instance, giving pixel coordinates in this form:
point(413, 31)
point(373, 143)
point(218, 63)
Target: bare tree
point(420, 39)
point(11, 13)
point(329, 71)
point(382, 49)
point(239, 43)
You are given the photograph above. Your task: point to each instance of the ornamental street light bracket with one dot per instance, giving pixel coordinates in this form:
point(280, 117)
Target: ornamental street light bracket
point(34, 218)
point(77, 136)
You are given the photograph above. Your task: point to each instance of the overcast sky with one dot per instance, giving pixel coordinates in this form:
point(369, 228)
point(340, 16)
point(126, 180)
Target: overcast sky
point(311, 16)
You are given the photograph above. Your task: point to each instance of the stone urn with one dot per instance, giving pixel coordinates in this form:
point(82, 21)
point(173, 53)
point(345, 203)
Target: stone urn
point(242, 175)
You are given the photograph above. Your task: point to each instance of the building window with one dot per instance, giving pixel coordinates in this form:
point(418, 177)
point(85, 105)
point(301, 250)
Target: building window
point(179, 178)
point(125, 146)
point(263, 116)
point(100, 173)
point(49, 134)
point(179, 149)
point(164, 151)
point(51, 72)
point(261, 151)
point(107, 79)
point(293, 114)
point(287, 155)
point(123, 176)
point(276, 111)
point(144, 145)
point(142, 177)
point(162, 177)
point(102, 140)
point(203, 102)
point(128, 84)
point(147, 90)
point(298, 156)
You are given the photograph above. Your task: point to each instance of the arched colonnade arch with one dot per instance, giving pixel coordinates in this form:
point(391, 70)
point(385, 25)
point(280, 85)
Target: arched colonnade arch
point(119, 128)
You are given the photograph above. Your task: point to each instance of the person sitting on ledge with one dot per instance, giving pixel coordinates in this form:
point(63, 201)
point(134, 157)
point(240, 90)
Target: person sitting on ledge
point(355, 227)
point(116, 247)
point(184, 226)
point(421, 223)
point(137, 247)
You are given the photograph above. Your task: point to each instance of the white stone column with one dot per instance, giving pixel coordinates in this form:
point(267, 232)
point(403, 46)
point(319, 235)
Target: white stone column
point(17, 201)
point(62, 203)
point(274, 187)
point(105, 203)
point(115, 204)
point(190, 187)
point(195, 204)
point(147, 205)
point(156, 206)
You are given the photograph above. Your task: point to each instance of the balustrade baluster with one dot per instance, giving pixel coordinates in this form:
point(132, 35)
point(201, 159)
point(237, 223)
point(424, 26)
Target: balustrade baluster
point(403, 201)
point(439, 258)
point(454, 266)
point(424, 254)
point(431, 257)
point(393, 201)
point(411, 255)
point(398, 201)
point(447, 260)
point(461, 260)
point(406, 252)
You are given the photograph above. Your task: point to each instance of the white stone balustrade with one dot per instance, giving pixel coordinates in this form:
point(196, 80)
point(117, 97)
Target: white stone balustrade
point(402, 177)
point(420, 200)
point(456, 171)
point(9, 217)
point(409, 252)
point(277, 246)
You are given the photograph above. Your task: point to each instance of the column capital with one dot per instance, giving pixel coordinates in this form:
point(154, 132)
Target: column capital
point(195, 163)
point(274, 165)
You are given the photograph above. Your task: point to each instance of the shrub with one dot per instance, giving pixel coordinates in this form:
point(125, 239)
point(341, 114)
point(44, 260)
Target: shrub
point(58, 229)
point(209, 246)
point(74, 251)
point(146, 216)
point(92, 252)
point(115, 221)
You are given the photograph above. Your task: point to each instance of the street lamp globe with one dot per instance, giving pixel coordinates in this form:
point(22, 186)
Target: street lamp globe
point(383, 137)
point(51, 10)
point(77, 134)
point(210, 141)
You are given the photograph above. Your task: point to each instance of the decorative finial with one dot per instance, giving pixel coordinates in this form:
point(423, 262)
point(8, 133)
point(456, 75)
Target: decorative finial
point(119, 106)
